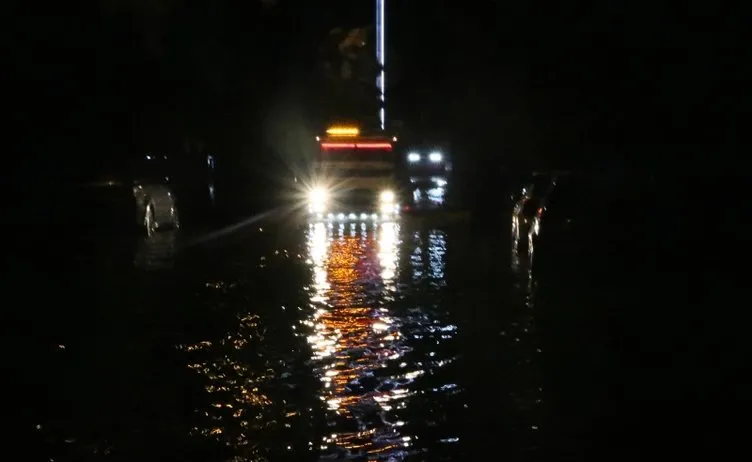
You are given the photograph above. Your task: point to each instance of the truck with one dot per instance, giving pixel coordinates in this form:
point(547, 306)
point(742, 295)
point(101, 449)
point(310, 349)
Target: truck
point(354, 177)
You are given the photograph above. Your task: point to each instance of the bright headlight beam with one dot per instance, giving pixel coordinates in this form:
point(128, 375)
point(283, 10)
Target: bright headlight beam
point(413, 157)
point(318, 195)
point(435, 157)
point(387, 196)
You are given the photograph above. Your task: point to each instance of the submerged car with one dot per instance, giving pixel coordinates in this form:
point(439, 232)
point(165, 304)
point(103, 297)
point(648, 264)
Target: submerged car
point(428, 175)
point(117, 201)
point(528, 208)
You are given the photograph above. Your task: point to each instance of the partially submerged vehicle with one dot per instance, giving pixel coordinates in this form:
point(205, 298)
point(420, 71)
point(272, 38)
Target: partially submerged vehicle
point(354, 177)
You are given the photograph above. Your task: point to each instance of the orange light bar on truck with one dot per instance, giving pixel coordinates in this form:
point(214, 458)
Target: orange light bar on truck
point(342, 131)
point(356, 146)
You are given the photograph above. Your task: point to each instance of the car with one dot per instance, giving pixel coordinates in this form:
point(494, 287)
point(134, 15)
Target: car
point(159, 208)
point(428, 176)
point(528, 208)
point(118, 200)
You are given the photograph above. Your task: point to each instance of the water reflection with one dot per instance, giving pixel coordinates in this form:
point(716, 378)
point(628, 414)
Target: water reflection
point(354, 337)
point(429, 196)
point(378, 345)
point(428, 257)
point(523, 340)
point(356, 341)
point(436, 254)
point(249, 362)
point(157, 252)
point(240, 407)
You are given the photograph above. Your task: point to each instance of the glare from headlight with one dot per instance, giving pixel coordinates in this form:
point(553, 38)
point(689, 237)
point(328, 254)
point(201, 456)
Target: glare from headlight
point(387, 196)
point(413, 157)
point(435, 157)
point(318, 195)
point(317, 200)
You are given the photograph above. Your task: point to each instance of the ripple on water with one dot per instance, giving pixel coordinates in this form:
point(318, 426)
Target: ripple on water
point(362, 361)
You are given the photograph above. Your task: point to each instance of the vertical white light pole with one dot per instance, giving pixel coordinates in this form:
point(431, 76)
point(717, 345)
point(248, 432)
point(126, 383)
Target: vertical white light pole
point(381, 57)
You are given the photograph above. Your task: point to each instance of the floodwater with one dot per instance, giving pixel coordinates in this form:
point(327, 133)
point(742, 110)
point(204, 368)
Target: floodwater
point(395, 341)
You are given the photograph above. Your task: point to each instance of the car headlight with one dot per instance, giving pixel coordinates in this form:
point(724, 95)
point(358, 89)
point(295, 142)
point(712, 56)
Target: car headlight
point(387, 196)
point(413, 157)
point(435, 157)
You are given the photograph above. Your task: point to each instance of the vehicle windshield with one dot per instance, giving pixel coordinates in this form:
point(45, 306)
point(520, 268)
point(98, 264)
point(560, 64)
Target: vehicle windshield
point(356, 155)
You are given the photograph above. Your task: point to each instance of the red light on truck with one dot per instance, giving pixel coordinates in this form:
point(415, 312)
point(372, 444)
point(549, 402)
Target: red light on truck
point(338, 145)
point(387, 146)
point(374, 145)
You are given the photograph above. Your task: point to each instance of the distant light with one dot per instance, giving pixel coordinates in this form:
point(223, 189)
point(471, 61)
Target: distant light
point(341, 216)
point(394, 139)
point(318, 138)
point(439, 181)
point(413, 157)
point(363, 216)
point(435, 157)
point(342, 131)
point(148, 157)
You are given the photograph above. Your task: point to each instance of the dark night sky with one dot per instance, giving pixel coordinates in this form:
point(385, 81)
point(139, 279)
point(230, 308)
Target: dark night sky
point(539, 82)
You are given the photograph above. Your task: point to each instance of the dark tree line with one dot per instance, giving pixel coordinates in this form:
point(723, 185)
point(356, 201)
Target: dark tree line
point(529, 83)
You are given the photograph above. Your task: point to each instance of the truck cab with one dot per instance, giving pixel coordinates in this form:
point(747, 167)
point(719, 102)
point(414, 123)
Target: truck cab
point(355, 177)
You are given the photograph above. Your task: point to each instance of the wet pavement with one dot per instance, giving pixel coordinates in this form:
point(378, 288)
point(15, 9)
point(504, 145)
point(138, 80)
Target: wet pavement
point(395, 341)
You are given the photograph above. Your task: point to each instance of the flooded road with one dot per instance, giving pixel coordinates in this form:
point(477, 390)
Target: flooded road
point(394, 341)
point(359, 341)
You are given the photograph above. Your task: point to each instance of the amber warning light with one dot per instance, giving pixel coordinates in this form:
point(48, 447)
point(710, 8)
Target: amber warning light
point(343, 131)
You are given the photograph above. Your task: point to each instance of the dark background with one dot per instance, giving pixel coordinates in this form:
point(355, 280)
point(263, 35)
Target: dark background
point(503, 84)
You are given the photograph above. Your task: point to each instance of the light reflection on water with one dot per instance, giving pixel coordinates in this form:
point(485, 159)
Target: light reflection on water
point(372, 367)
point(355, 337)
point(362, 341)
point(358, 341)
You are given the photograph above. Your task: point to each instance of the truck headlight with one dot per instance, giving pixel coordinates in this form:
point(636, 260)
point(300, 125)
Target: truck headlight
point(318, 199)
point(435, 157)
point(387, 202)
point(413, 157)
point(387, 197)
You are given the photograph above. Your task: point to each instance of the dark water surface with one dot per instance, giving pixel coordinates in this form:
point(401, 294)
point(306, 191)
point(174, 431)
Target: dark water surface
point(363, 342)
point(358, 341)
